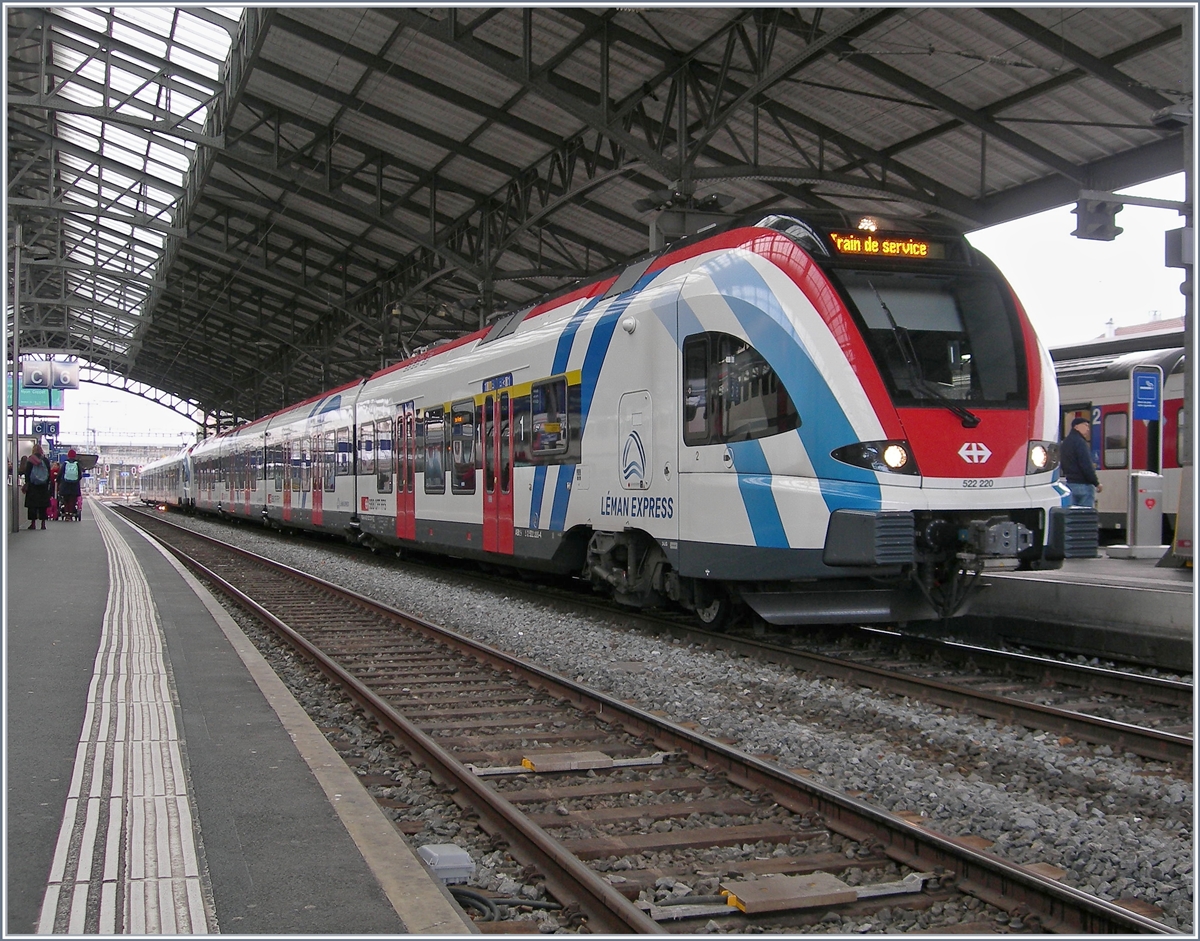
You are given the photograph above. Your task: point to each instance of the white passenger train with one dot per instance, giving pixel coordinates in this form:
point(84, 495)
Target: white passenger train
point(1100, 379)
point(823, 417)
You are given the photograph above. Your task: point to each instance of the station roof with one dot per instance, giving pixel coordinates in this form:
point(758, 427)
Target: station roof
point(241, 207)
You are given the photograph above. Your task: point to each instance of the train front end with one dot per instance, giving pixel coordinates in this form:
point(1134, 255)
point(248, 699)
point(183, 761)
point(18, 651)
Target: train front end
point(950, 467)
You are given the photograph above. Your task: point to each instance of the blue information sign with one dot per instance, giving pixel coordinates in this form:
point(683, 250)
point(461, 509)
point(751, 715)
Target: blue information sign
point(498, 382)
point(1146, 404)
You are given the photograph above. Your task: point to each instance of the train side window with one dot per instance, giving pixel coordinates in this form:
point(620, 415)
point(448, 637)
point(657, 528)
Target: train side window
point(289, 472)
point(329, 460)
point(1116, 439)
point(695, 391)
point(435, 448)
point(384, 456)
point(462, 446)
point(489, 456)
point(410, 432)
point(277, 465)
point(505, 445)
point(306, 464)
point(366, 448)
point(1179, 453)
point(403, 447)
point(731, 393)
point(522, 430)
point(343, 452)
point(550, 428)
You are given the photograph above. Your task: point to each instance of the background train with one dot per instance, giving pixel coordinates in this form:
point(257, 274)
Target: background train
point(1098, 380)
point(820, 416)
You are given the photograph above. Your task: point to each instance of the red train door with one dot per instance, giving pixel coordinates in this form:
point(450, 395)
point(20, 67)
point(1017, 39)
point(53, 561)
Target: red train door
point(497, 474)
point(317, 456)
point(406, 455)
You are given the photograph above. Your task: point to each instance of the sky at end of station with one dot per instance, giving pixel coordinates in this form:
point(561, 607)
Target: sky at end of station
point(1071, 288)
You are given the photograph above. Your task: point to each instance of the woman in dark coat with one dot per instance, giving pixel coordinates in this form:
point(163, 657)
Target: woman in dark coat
point(37, 485)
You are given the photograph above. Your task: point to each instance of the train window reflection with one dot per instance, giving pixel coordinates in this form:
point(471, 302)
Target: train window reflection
point(328, 460)
point(462, 446)
point(940, 336)
point(384, 456)
point(366, 448)
point(1179, 452)
point(343, 452)
point(505, 445)
point(731, 393)
point(435, 447)
point(549, 408)
point(1116, 439)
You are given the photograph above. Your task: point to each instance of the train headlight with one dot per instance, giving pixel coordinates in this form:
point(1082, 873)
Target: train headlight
point(887, 457)
point(1042, 457)
point(895, 456)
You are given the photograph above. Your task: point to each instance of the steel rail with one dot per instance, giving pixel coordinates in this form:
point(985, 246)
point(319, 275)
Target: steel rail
point(1150, 743)
point(1051, 906)
point(608, 910)
point(1154, 688)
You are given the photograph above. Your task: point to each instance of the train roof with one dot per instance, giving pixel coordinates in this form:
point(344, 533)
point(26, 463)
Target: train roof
point(1105, 367)
point(1112, 346)
point(822, 220)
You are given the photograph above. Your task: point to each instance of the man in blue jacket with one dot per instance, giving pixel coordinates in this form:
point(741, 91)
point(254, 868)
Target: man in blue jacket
point(1077, 467)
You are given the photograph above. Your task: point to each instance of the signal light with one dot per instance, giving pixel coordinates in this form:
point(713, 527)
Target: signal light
point(1096, 220)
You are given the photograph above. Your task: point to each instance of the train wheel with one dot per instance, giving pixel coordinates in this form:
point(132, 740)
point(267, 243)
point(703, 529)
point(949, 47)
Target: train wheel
point(715, 609)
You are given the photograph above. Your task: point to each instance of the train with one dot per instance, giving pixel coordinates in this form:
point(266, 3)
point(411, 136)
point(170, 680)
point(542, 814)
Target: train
point(823, 417)
point(1100, 380)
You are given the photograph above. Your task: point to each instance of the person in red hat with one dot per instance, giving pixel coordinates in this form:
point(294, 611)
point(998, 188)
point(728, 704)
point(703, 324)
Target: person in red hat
point(68, 487)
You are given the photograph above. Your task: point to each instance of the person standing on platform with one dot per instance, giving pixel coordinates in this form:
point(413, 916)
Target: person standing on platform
point(1077, 466)
point(55, 470)
point(68, 488)
point(36, 471)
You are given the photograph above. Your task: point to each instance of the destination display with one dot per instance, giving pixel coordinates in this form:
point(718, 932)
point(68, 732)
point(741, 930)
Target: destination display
point(882, 246)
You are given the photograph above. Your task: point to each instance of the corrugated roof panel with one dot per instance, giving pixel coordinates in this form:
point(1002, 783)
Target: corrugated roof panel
point(546, 115)
point(454, 69)
point(308, 104)
point(413, 103)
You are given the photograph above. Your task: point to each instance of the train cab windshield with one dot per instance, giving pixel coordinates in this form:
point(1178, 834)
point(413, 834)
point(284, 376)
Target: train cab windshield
point(940, 337)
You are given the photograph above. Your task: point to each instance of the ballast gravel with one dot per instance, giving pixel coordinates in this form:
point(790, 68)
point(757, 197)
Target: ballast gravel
point(1119, 826)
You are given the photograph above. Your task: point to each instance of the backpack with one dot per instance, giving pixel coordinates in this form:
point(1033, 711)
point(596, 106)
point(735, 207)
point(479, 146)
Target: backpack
point(71, 470)
point(38, 473)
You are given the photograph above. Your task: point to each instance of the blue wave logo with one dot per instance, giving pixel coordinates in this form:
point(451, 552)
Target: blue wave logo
point(633, 460)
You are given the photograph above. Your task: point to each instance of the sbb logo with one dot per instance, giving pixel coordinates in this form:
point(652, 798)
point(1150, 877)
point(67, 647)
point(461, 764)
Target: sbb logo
point(363, 505)
point(975, 452)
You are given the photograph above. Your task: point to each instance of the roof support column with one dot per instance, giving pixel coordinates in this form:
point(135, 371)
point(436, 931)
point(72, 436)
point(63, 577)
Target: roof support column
point(13, 450)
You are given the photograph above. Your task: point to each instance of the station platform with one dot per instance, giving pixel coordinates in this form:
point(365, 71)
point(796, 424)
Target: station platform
point(1124, 609)
point(198, 797)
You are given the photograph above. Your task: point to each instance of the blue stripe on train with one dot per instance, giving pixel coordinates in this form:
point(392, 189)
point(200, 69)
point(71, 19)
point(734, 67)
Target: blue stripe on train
point(754, 483)
point(593, 362)
point(824, 425)
point(562, 355)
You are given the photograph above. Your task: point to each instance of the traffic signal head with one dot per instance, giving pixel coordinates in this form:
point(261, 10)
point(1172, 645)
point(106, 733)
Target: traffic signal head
point(1095, 219)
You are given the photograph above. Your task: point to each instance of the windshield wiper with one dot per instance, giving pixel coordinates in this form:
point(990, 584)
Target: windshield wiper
point(904, 342)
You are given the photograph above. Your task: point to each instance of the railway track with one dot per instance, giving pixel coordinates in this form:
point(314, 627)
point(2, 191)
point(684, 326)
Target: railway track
point(1127, 711)
point(571, 780)
point(1149, 716)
